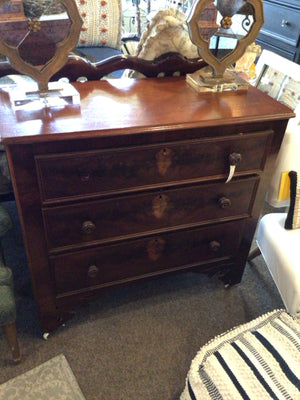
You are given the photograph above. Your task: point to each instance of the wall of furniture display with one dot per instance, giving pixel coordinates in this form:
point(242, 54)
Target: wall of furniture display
point(281, 31)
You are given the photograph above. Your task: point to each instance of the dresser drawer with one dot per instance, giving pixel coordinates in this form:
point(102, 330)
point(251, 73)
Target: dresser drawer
point(107, 219)
point(144, 257)
point(281, 23)
point(62, 176)
point(286, 51)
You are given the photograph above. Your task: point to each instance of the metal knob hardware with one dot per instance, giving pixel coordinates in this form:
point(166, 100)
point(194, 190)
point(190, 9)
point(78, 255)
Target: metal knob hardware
point(224, 202)
point(88, 227)
point(234, 159)
point(93, 271)
point(214, 246)
point(284, 23)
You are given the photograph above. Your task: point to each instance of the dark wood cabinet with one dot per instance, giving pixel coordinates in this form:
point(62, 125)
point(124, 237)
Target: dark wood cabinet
point(281, 30)
point(132, 184)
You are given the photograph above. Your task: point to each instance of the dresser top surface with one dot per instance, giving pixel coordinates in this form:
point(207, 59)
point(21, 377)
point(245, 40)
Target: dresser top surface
point(127, 106)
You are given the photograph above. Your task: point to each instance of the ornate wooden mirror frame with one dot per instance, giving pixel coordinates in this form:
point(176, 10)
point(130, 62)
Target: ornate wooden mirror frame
point(42, 73)
point(201, 30)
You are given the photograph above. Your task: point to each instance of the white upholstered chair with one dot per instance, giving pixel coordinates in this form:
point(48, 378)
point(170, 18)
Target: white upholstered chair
point(278, 245)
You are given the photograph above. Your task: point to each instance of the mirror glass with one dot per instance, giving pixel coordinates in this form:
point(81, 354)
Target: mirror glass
point(223, 23)
point(34, 28)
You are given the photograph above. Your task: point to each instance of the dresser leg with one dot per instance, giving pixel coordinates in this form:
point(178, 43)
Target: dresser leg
point(49, 323)
point(254, 253)
point(233, 276)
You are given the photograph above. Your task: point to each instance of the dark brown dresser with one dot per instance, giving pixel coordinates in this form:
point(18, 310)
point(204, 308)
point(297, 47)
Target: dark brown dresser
point(281, 30)
point(132, 184)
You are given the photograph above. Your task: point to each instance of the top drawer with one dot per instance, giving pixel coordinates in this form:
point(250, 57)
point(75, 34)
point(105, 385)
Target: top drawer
point(84, 174)
point(281, 23)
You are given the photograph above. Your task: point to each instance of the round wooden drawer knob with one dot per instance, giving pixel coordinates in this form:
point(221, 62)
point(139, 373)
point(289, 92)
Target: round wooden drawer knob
point(214, 246)
point(93, 271)
point(88, 227)
point(85, 177)
point(224, 202)
point(235, 158)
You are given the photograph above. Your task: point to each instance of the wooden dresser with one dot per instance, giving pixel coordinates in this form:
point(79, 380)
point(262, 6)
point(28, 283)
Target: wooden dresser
point(132, 185)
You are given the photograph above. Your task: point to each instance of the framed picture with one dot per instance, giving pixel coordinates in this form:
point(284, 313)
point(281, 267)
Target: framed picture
point(279, 77)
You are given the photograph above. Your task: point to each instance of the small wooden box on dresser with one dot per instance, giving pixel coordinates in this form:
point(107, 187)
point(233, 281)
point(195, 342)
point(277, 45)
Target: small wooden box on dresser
point(132, 185)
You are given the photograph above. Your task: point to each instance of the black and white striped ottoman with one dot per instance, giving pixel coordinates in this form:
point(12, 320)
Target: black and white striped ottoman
point(257, 360)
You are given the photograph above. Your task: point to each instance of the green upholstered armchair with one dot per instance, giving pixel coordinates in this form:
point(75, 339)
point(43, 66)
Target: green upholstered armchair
point(7, 299)
point(6, 191)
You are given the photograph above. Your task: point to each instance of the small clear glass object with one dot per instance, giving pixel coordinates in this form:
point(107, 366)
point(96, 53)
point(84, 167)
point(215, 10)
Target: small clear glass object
point(28, 97)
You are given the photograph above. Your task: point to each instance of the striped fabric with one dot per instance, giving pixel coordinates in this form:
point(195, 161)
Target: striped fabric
point(257, 360)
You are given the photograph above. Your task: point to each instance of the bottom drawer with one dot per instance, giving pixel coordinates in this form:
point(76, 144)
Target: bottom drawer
point(134, 259)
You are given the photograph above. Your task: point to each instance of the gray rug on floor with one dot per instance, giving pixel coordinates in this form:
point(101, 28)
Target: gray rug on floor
point(52, 380)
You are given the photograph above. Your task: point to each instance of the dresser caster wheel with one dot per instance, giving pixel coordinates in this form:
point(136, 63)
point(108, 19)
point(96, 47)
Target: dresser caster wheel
point(46, 335)
point(226, 281)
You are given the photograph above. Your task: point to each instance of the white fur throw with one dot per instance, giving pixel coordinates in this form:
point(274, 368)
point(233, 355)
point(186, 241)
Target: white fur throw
point(167, 32)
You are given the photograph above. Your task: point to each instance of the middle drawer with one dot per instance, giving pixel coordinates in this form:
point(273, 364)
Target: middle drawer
point(106, 220)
